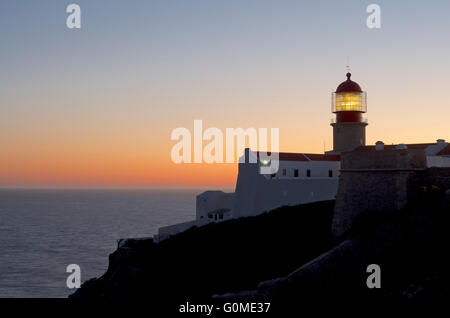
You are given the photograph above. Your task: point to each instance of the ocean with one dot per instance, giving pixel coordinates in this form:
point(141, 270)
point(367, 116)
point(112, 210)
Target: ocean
point(43, 231)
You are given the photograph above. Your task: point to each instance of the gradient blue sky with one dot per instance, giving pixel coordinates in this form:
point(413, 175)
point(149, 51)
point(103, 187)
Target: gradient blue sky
point(74, 102)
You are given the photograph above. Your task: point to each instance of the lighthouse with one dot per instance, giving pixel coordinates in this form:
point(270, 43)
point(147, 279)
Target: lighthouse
point(349, 103)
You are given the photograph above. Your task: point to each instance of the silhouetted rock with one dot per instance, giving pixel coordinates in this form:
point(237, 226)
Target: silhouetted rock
point(217, 258)
point(410, 247)
point(288, 257)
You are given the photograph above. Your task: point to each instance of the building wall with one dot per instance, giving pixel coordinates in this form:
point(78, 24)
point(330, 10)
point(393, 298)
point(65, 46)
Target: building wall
point(256, 193)
point(438, 161)
point(166, 231)
point(209, 201)
point(376, 181)
point(318, 169)
point(272, 194)
point(438, 177)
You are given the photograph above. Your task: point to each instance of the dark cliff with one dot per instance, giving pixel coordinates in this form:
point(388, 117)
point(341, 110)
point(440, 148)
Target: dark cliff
point(288, 256)
point(217, 258)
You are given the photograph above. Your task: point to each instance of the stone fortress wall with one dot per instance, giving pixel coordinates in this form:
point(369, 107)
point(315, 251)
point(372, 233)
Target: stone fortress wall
point(382, 181)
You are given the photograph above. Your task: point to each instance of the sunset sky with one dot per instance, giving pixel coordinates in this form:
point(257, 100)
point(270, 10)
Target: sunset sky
point(96, 106)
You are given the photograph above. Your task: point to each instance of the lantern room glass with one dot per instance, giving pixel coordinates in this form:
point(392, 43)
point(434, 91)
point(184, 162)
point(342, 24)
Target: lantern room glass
point(349, 102)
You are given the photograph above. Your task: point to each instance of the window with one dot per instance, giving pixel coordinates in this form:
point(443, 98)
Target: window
point(221, 216)
point(284, 172)
point(330, 173)
point(349, 101)
point(308, 173)
point(296, 173)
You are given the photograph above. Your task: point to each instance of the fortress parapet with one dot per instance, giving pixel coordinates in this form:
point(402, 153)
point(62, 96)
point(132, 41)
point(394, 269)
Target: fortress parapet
point(376, 179)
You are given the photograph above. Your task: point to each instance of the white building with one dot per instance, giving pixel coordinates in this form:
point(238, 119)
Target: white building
point(301, 177)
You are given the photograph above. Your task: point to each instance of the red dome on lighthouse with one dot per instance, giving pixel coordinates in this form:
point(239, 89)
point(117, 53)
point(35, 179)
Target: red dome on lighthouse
point(348, 86)
point(349, 101)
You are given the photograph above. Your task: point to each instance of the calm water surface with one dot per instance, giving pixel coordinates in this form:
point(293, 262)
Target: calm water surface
point(42, 231)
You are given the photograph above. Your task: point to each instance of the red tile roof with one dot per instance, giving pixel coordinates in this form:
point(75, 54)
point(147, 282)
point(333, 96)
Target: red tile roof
point(288, 156)
point(322, 157)
point(391, 147)
point(445, 151)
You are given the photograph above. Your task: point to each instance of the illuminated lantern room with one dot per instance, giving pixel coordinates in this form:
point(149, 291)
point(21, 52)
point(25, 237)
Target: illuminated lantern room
point(349, 102)
point(349, 128)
